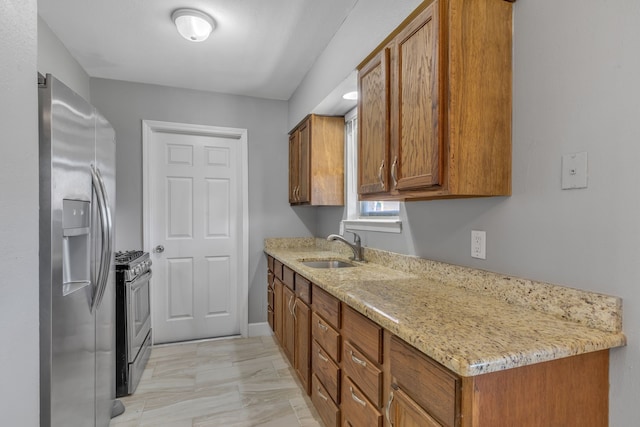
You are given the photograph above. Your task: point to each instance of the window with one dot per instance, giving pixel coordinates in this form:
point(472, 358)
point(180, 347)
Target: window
point(365, 215)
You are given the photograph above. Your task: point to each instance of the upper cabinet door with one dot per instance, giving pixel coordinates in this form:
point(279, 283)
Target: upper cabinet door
point(294, 168)
point(304, 132)
point(373, 125)
point(417, 150)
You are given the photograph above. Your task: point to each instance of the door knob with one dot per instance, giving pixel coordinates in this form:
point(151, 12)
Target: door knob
point(158, 249)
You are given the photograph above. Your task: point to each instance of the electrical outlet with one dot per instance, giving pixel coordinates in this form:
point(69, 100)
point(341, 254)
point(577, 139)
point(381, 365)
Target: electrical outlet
point(479, 244)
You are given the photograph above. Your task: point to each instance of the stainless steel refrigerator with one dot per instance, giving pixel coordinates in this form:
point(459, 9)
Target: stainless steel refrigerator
point(77, 273)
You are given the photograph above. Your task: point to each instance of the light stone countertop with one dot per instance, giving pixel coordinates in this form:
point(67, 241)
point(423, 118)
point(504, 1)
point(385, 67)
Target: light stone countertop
point(471, 321)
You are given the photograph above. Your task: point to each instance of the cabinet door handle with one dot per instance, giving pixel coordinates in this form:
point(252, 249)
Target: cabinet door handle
point(320, 394)
point(388, 408)
point(356, 360)
point(394, 175)
point(293, 311)
point(321, 356)
point(322, 327)
point(356, 398)
point(289, 305)
point(380, 178)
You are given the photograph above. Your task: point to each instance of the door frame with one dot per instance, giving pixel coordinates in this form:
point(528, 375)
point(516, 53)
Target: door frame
point(238, 134)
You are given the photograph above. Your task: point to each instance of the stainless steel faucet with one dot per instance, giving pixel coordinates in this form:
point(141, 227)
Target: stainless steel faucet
point(356, 246)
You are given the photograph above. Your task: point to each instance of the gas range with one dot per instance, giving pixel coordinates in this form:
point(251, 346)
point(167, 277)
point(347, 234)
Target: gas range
point(132, 264)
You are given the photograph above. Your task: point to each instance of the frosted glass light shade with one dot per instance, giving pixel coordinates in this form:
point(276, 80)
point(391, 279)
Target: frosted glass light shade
point(192, 24)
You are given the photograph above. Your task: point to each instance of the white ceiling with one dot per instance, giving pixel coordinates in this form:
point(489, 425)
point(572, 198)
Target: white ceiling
point(260, 48)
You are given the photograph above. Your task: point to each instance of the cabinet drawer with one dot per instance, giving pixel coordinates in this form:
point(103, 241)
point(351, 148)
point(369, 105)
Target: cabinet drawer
point(363, 373)
point(432, 386)
point(365, 334)
point(329, 411)
point(303, 289)
point(356, 408)
point(288, 277)
point(327, 337)
point(327, 306)
point(277, 268)
point(327, 371)
point(270, 262)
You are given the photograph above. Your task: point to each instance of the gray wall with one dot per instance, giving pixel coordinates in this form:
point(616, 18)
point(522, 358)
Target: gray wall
point(54, 58)
point(366, 27)
point(576, 88)
point(19, 357)
point(125, 105)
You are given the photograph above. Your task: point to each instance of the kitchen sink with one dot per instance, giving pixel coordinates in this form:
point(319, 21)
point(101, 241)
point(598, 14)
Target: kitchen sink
point(328, 263)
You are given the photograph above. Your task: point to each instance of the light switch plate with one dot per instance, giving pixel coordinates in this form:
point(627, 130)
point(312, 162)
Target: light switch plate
point(574, 171)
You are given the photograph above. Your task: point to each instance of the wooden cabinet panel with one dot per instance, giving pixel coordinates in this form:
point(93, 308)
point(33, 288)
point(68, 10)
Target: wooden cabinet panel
point(327, 370)
point(326, 336)
point(270, 263)
point(278, 310)
point(365, 334)
point(270, 318)
point(363, 372)
point(277, 269)
point(288, 277)
point(373, 119)
point(404, 412)
point(327, 306)
point(302, 360)
point(417, 144)
point(433, 387)
point(328, 410)
point(567, 392)
point(446, 91)
point(288, 323)
point(294, 167)
point(316, 162)
point(270, 297)
point(303, 289)
point(356, 408)
point(304, 160)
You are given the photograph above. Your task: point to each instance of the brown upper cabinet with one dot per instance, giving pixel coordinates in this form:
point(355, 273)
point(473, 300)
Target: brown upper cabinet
point(316, 162)
point(435, 105)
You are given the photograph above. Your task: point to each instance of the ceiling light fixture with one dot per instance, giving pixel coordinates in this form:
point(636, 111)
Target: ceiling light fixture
point(192, 24)
point(351, 96)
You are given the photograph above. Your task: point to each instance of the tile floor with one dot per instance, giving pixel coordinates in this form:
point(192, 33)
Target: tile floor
point(239, 382)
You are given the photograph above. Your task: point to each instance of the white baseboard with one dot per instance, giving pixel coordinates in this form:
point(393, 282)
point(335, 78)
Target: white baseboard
point(259, 329)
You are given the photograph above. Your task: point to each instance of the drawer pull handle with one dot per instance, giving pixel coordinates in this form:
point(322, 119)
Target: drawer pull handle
point(356, 360)
point(321, 356)
point(356, 398)
point(321, 395)
point(388, 409)
point(322, 327)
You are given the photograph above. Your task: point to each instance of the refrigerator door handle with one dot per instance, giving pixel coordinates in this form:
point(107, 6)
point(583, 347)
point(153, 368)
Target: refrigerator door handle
point(107, 236)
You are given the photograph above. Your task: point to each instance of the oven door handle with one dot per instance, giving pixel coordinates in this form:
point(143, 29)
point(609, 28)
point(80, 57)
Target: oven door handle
point(140, 280)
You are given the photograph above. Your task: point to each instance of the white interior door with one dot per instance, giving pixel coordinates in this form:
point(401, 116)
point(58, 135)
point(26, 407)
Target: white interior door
point(196, 201)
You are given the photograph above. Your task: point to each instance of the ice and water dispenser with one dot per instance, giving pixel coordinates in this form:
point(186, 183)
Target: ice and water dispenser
point(76, 245)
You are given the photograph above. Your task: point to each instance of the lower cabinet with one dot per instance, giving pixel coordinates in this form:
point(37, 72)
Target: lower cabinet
point(360, 375)
point(403, 411)
point(302, 343)
point(288, 323)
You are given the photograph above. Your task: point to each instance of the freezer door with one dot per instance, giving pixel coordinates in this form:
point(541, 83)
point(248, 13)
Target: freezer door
point(105, 314)
point(67, 326)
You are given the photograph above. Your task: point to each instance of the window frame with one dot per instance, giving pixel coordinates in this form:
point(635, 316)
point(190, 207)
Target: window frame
point(354, 219)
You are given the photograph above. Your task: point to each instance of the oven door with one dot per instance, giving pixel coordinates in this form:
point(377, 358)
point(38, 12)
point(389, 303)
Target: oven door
point(139, 313)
